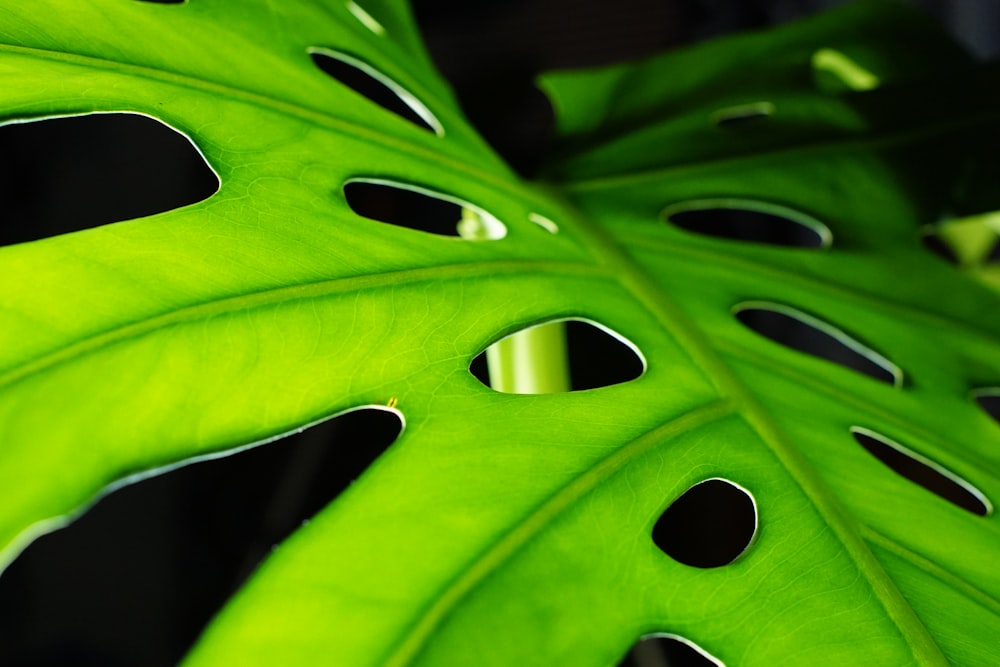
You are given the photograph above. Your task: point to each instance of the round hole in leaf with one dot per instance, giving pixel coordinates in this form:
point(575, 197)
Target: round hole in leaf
point(746, 220)
point(920, 470)
point(743, 115)
point(710, 525)
point(421, 209)
point(175, 546)
point(375, 86)
point(558, 356)
point(69, 173)
point(803, 332)
point(668, 650)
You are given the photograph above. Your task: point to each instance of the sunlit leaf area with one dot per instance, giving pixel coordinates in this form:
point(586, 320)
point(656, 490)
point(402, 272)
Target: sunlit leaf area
point(643, 334)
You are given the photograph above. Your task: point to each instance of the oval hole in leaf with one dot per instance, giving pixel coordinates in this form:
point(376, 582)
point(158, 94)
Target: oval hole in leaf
point(371, 84)
point(710, 525)
point(69, 173)
point(923, 471)
point(668, 650)
point(134, 580)
point(164, 2)
point(423, 210)
point(743, 115)
point(593, 355)
point(746, 220)
point(805, 333)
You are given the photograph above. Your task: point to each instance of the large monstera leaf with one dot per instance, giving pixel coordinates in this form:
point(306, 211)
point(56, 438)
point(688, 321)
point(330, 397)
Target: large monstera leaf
point(505, 529)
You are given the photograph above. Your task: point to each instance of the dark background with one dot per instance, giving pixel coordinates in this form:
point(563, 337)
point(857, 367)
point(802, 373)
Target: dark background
point(136, 578)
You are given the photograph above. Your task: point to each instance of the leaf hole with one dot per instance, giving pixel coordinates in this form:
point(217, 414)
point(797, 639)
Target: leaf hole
point(743, 115)
point(135, 579)
point(923, 471)
point(835, 72)
point(936, 245)
point(668, 650)
point(366, 19)
point(805, 333)
point(69, 173)
point(744, 220)
point(968, 241)
point(711, 524)
point(371, 84)
point(420, 209)
point(989, 400)
point(543, 222)
point(566, 355)
point(993, 256)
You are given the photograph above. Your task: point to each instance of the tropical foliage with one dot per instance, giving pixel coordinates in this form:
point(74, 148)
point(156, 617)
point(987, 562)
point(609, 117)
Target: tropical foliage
point(505, 527)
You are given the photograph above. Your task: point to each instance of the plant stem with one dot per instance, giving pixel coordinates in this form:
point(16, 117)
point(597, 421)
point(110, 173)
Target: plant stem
point(533, 361)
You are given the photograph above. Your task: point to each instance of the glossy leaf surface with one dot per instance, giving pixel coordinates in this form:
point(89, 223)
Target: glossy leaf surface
point(500, 528)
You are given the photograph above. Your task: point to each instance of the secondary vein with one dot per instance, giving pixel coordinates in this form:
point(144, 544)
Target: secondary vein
point(284, 294)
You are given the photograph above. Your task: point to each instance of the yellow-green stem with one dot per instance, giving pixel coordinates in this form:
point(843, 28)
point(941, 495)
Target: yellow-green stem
point(533, 361)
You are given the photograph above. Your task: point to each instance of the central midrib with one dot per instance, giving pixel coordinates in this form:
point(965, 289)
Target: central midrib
point(692, 339)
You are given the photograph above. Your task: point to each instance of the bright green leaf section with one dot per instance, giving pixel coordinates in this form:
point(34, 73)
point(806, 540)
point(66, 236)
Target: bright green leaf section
point(515, 529)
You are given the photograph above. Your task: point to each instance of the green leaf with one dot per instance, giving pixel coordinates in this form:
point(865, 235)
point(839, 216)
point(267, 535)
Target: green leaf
point(502, 528)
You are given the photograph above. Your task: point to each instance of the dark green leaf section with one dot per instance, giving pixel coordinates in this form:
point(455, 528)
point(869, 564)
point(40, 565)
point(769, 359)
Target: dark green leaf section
point(517, 529)
point(612, 119)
